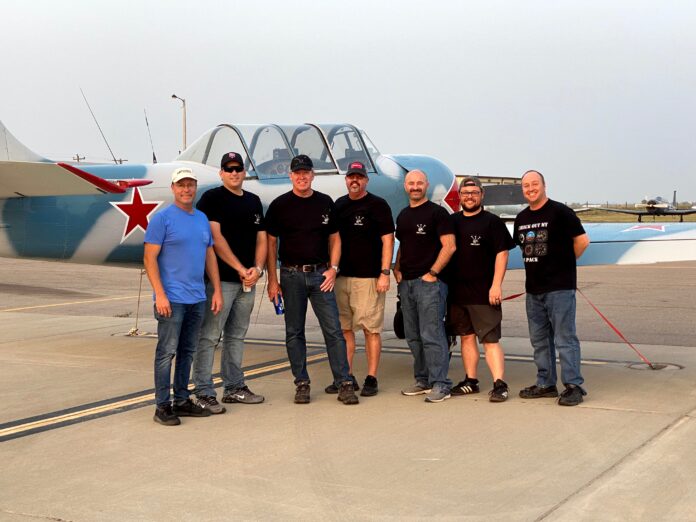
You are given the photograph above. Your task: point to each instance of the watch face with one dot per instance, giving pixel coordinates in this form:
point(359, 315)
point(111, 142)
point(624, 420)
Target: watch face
point(386, 272)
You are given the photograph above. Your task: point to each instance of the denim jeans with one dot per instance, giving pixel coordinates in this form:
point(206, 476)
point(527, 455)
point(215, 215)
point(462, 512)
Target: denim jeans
point(298, 288)
point(423, 305)
point(232, 322)
point(551, 320)
point(176, 336)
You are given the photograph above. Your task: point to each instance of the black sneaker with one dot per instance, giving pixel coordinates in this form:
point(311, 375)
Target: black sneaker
point(189, 408)
point(333, 389)
point(369, 386)
point(164, 415)
point(346, 393)
point(538, 392)
point(209, 402)
point(571, 396)
point(466, 387)
point(302, 393)
point(499, 393)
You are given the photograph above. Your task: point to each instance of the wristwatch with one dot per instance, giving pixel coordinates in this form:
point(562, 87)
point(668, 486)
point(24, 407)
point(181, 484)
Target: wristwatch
point(386, 271)
point(335, 267)
point(260, 270)
point(432, 272)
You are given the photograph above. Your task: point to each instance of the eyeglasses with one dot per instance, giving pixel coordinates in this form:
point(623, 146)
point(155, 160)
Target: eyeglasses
point(473, 194)
point(233, 168)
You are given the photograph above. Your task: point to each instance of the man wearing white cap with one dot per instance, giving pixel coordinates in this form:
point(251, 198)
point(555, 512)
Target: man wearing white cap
point(178, 249)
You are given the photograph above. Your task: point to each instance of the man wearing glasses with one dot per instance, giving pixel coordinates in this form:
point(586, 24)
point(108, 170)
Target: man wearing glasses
point(304, 222)
point(236, 221)
point(477, 270)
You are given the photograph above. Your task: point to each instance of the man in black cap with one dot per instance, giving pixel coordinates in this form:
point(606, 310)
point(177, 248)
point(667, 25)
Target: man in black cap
point(236, 221)
point(367, 243)
point(304, 222)
point(474, 300)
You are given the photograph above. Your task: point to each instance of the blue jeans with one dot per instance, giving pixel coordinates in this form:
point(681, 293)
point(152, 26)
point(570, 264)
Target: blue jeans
point(423, 305)
point(298, 288)
point(176, 336)
point(551, 320)
point(232, 322)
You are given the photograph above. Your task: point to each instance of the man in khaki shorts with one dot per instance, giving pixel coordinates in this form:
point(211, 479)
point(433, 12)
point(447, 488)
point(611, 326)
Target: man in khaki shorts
point(367, 243)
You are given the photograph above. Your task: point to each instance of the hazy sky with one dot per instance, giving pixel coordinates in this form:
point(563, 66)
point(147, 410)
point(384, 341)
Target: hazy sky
point(600, 96)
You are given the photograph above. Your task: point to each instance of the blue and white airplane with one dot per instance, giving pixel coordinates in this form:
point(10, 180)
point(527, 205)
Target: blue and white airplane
point(98, 214)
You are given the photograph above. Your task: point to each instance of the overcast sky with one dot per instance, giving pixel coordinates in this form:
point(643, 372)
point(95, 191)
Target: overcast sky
point(600, 96)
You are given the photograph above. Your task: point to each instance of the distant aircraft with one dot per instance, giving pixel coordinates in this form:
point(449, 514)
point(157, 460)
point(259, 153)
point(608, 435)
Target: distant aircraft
point(97, 214)
point(657, 206)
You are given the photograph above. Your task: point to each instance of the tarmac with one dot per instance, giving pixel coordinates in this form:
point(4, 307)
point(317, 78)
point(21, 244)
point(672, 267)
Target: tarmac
point(78, 443)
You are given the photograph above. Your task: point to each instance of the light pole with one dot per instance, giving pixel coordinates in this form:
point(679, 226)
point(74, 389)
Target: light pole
point(183, 106)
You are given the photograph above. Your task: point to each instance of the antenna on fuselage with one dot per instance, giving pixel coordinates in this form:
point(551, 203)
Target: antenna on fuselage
point(147, 124)
point(117, 161)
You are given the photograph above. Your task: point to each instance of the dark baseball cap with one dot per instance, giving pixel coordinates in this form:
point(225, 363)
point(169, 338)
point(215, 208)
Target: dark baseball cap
point(229, 157)
point(301, 162)
point(470, 181)
point(356, 167)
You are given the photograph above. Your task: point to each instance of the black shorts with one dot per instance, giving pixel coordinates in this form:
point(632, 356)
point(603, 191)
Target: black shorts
point(483, 320)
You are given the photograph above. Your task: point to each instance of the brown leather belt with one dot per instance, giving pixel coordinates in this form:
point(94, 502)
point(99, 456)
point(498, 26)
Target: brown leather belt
point(305, 268)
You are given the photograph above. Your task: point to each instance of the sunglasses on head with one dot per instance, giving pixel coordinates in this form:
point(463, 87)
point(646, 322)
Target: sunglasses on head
point(233, 168)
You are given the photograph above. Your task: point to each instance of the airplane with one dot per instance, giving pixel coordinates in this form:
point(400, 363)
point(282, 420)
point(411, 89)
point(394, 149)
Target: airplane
point(98, 213)
point(656, 206)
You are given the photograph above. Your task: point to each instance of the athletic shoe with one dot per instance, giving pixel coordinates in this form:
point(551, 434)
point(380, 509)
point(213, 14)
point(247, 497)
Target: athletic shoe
point(346, 394)
point(302, 393)
point(369, 386)
point(210, 403)
point(499, 393)
point(165, 415)
point(243, 395)
point(188, 408)
point(466, 387)
point(539, 392)
point(333, 389)
point(437, 395)
point(571, 396)
point(419, 388)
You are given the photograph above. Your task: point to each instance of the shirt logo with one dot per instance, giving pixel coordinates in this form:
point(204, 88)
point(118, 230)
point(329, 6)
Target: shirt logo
point(475, 241)
point(359, 221)
point(420, 229)
point(257, 219)
point(324, 219)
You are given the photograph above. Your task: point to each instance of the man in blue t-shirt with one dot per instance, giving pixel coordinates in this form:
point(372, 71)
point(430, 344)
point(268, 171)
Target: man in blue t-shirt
point(178, 249)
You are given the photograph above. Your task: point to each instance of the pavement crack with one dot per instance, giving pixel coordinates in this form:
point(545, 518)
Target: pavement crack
point(35, 515)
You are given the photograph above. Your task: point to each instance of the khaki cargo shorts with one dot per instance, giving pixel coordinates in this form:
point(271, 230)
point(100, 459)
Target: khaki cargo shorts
point(360, 305)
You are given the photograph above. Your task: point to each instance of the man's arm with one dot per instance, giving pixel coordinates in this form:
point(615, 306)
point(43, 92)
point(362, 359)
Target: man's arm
point(448, 248)
point(271, 262)
point(162, 304)
point(253, 274)
point(387, 253)
point(495, 294)
point(223, 250)
point(397, 266)
point(580, 243)
point(211, 268)
point(334, 259)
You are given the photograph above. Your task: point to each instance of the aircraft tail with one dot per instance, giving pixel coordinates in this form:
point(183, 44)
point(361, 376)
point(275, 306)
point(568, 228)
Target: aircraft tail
point(11, 149)
point(674, 199)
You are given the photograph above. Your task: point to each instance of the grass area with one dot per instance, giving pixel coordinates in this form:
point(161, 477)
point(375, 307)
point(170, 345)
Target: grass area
point(600, 216)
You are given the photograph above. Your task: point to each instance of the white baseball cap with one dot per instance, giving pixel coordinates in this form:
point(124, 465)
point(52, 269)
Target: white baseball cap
point(183, 173)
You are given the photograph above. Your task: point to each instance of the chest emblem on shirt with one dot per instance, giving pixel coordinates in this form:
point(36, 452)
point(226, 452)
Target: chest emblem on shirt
point(324, 219)
point(475, 241)
point(420, 229)
point(257, 219)
point(359, 221)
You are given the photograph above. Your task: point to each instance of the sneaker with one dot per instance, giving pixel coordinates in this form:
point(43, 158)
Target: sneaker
point(417, 389)
point(466, 387)
point(243, 395)
point(539, 392)
point(437, 395)
point(302, 393)
point(369, 386)
point(210, 403)
point(499, 393)
point(571, 396)
point(188, 408)
point(164, 415)
point(346, 394)
point(333, 389)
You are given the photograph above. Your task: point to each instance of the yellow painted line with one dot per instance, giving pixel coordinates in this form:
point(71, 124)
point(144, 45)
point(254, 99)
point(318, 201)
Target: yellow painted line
point(134, 400)
point(70, 303)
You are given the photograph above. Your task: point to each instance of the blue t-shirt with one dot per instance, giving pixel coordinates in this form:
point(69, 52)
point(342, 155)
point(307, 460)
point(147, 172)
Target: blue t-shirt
point(184, 239)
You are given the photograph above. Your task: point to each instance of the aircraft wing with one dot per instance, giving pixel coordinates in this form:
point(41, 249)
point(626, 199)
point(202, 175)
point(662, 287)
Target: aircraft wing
point(626, 211)
point(20, 178)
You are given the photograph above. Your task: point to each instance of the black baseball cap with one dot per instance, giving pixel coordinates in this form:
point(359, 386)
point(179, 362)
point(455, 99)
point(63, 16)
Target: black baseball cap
point(470, 181)
point(301, 162)
point(229, 157)
point(357, 167)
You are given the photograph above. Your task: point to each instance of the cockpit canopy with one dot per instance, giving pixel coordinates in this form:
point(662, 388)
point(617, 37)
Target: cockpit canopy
point(267, 149)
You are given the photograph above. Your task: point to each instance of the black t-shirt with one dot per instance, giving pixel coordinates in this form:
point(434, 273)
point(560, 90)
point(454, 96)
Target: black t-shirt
point(546, 239)
point(362, 223)
point(419, 229)
point(302, 226)
point(479, 240)
point(240, 219)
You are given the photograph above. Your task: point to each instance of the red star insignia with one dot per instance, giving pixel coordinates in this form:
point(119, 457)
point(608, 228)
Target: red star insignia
point(659, 228)
point(137, 213)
